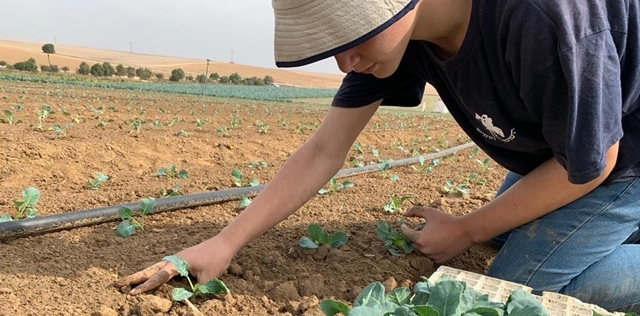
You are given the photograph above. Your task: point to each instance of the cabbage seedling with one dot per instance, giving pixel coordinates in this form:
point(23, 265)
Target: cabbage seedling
point(178, 294)
point(393, 240)
point(244, 202)
point(26, 207)
point(444, 298)
point(335, 187)
point(395, 203)
point(236, 175)
point(317, 237)
point(129, 224)
point(95, 183)
point(171, 172)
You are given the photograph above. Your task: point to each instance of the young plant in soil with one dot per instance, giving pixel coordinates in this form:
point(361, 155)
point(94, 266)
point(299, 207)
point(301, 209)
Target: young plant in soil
point(244, 202)
point(172, 172)
point(236, 175)
point(94, 184)
point(170, 192)
point(129, 224)
point(393, 240)
point(317, 237)
point(444, 298)
point(335, 187)
point(395, 203)
point(450, 187)
point(25, 207)
point(213, 286)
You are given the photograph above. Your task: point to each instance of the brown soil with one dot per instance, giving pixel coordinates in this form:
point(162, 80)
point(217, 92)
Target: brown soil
point(69, 272)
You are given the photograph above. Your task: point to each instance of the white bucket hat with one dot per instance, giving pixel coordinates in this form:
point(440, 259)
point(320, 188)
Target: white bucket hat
point(307, 31)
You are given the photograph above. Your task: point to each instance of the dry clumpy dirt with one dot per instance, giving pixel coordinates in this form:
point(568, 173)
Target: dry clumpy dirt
point(69, 272)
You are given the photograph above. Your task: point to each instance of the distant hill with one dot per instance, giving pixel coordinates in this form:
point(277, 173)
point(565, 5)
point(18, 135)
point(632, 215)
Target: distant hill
point(13, 51)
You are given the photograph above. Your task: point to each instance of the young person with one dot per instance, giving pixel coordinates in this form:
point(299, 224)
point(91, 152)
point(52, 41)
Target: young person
point(548, 88)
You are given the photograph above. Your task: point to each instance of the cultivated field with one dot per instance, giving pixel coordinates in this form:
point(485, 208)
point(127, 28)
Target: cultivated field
point(129, 135)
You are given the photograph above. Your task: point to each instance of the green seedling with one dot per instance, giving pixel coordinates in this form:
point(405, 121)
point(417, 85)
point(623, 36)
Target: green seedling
point(178, 294)
point(170, 192)
point(484, 163)
point(358, 148)
point(335, 187)
point(26, 206)
point(446, 297)
point(172, 172)
point(258, 164)
point(426, 167)
point(395, 203)
point(317, 236)
point(173, 121)
point(451, 188)
point(94, 184)
point(10, 118)
point(473, 152)
point(236, 175)
point(61, 131)
point(473, 178)
point(42, 115)
point(222, 131)
point(384, 167)
point(235, 122)
point(200, 123)
point(129, 224)
point(393, 239)
point(244, 202)
point(262, 127)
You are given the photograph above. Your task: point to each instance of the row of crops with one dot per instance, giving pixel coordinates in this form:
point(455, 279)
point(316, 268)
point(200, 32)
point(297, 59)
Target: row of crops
point(262, 93)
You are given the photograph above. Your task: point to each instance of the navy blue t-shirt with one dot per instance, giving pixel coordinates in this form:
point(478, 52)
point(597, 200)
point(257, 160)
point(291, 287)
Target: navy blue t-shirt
point(533, 80)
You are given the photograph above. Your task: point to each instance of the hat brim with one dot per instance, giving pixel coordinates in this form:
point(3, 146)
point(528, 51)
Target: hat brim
point(344, 47)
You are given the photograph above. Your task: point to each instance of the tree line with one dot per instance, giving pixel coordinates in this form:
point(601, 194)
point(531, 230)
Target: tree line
point(105, 69)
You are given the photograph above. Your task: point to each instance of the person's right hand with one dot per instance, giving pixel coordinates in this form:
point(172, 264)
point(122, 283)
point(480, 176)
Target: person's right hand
point(206, 260)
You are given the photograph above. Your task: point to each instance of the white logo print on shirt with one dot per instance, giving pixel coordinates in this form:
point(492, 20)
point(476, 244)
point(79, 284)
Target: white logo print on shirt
point(496, 132)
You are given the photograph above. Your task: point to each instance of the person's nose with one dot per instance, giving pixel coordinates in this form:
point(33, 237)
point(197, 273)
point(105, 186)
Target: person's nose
point(347, 60)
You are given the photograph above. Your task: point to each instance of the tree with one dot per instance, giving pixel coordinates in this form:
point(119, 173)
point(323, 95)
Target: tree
point(65, 69)
point(48, 49)
point(268, 80)
point(121, 70)
point(97, 70)
point(45, 68)
point(176, 75)
point(223, 79)
point(83, 69)
point(131, 72)
point(3, 63)
point(108, 69)
point(214, 76)
point(28, 65)
point(160, 76)
point(54, 68)
point(235, 78)
point(189, 78)
point(144, 73)
point(201, 78)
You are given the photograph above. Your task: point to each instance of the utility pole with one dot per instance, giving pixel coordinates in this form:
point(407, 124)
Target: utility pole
point(206, 78)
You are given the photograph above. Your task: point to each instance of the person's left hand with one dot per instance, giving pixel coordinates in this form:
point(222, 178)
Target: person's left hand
point(443, 236)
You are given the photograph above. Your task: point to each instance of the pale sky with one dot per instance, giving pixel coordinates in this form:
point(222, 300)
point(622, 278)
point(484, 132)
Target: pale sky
point(187, 28)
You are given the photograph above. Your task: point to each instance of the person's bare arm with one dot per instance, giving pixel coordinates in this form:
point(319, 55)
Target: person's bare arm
point(542, 191)
point(299, 179)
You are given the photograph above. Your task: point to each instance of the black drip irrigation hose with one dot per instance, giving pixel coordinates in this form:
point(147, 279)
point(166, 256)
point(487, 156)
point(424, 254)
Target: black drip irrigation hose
point(63, 221)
